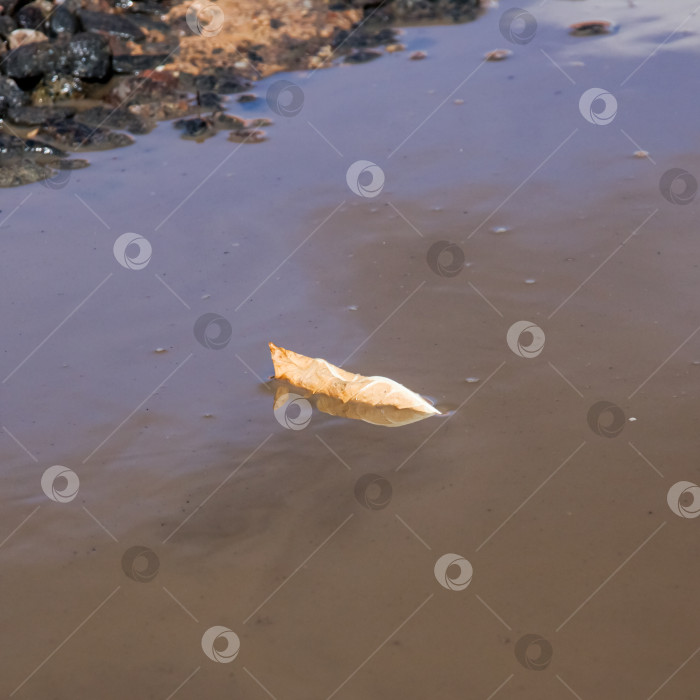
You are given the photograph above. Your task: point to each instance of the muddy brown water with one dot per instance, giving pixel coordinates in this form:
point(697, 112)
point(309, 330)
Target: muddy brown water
point(250, 527)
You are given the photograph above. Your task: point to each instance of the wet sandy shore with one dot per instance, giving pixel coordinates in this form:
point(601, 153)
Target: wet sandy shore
point(560, 505)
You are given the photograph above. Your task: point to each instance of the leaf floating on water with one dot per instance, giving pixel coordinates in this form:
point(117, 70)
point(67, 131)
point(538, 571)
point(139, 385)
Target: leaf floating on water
point(376, 400)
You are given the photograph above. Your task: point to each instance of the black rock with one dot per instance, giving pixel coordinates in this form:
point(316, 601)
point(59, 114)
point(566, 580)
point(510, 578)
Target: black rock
point(362, 56)
point(73, 135)
point(33, 116)
point(13, 145)
point(209, 100)
point(114, 118)
point(62, 21)
point(29, 17)
point(195, 127)
point(89, 57)
point(223, 80)
point(7, 25)
point(10, 95)
point(361, 37)
point(84, 56)
point(116, 25)
point(128, 63)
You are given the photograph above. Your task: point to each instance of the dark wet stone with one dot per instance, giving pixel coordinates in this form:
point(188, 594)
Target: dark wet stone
point(422, 10)
point(147, 8)
point(247, 97)
point(116, 25)
point(33, 116)
point(209, 100)
point(22, 171)
point(195, 127)
point(62, 21)
point(88, 56)
point(10, 95)
point(7, 26)
point(223, 80)
point(361, 37)
point(13, 145)
point(128, 63)
point(29, 17)
point(115, 118)
point(592, 28)
point(362, 56)
point(84, 56)
point(229, 121)
point(73, 135)
point(73, 164)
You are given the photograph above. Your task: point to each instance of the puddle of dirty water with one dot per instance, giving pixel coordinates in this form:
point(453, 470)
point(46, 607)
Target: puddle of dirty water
point(568, 511)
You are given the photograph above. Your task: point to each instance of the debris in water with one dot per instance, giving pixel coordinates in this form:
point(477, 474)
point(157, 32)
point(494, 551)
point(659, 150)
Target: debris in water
point(418, 55)
point(160, 350)
point(500, 229)
point(498, 54)
point(459, 102)
point(592, 28)
point(530, 281)
point(641, 154)
point(472, 380)
point(336, 391)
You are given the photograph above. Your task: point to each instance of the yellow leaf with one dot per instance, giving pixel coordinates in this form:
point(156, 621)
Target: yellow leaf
point(376, 400)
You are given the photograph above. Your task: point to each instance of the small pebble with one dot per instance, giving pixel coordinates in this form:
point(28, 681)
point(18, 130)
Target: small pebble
point(393, 48)
point(632, 419)
point(591, 28)
point(353, 308)
point(500, 229)
point(530, 281)
point(418, 55)
point(472, 380)
point(206, 296)
point(160, 350)
point(498, 54)
point(208, 415)
point(459, 102)
point(641, 154)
